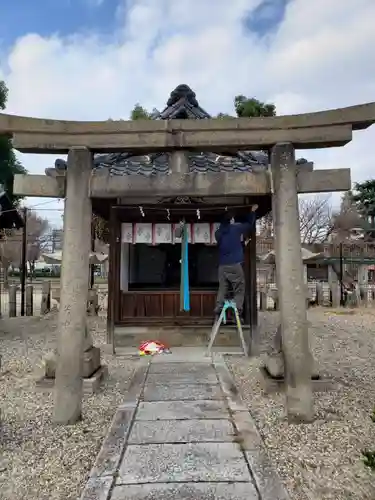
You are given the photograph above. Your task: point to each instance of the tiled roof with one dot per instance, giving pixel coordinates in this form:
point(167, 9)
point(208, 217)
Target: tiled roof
point(182, 104)
point(198, 162)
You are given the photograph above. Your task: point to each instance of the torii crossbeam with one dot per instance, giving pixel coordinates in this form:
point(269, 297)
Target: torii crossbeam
point(305, 131)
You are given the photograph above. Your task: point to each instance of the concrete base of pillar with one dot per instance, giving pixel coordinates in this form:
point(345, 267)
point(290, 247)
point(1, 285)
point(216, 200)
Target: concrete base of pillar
point(91, 363)
point(90, 384)
point(272, 385)
point(274, 366)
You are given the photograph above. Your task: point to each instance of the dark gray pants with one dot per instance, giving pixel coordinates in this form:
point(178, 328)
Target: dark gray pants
point(233, 276)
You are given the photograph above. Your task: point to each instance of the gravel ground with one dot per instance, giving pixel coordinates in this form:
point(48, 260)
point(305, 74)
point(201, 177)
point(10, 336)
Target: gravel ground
point(321, 460)
point(37, 460)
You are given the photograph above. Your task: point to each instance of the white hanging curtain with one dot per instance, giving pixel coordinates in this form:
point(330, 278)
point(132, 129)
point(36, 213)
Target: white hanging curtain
point(154, 234)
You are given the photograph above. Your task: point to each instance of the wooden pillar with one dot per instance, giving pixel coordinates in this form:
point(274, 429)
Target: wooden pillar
point(247, 330)
point(74, 289)
point(12, 301)
point(253, 298)
point(113, 276)
point(29, 300)
point(250, 302)
point(291, 286)
point(246, 268)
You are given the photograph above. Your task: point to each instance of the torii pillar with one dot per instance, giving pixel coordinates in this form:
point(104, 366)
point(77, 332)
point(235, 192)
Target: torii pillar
point(74, 288)
point(298, 360)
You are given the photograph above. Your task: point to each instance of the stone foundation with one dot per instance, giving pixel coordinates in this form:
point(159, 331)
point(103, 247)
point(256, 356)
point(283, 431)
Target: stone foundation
point(275, 367)
point(91, 363)
point(271, 384)
point(177, 336)
point(90, 384)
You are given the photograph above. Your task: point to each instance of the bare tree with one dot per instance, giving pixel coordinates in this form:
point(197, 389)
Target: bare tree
point(315, 215)
point(10, 252)
point(11, 244)
point(265, 226)
point(36, 228)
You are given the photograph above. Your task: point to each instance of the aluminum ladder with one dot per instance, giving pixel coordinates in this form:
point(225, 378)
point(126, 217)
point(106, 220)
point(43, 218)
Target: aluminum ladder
point(228, 304)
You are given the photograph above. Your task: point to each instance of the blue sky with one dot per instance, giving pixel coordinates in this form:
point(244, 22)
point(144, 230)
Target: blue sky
point(266, 17)
point(99, 17)
point(94, 59)
point(61, 17)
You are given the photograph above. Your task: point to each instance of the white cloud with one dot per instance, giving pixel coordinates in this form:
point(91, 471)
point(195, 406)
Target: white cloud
point(320, 57)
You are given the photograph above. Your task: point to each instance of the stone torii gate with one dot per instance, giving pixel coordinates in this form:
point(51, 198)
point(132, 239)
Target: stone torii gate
point(279, 135)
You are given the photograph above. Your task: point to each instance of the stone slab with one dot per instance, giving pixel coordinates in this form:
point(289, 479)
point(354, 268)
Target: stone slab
point(181, 431)
point(186, 491)
point(135, 388)
point(233, 397)
point(97, 489)
point(265, 475)
point(108, 460)
point(208, 377)
point(181, 410)
point(173, 367)
point(267, 481)
point(181, 392)
point(183, 462)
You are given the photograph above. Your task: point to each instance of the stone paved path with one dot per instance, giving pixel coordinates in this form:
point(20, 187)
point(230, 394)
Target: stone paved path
point(183, 433)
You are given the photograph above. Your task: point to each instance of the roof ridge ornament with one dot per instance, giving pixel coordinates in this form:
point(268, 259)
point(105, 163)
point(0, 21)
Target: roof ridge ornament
point(183, 91)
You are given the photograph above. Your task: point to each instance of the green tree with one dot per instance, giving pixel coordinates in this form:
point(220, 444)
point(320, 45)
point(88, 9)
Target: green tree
point(223, 116)
point(140, 113)
point(363, 197)
point(9, 165)
point(252, 108)
point(248, 107)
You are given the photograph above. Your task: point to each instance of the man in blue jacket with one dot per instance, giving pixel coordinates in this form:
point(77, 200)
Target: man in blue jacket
point(229, 238)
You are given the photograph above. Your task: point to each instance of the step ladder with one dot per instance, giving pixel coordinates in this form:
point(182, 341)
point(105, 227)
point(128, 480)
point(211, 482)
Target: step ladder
point(228, 304)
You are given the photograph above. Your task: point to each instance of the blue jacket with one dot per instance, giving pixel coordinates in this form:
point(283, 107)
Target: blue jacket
point(228, 238)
